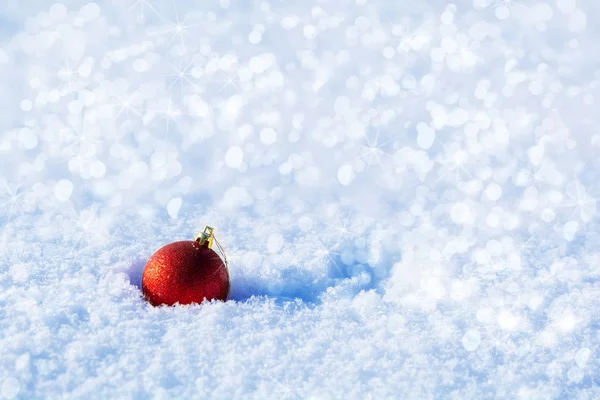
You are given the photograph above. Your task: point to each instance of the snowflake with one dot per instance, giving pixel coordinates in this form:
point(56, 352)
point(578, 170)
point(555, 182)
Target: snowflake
point(534, 177)
point(581, 201)
point(286, 390)
point(525, 245)
point(80, 141)
point(70, 77)
point(11, 199)
point(498, 342)
point(91, 228)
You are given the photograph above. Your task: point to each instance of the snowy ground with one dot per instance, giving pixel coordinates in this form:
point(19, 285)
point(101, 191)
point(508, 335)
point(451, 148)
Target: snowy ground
point(406, 191)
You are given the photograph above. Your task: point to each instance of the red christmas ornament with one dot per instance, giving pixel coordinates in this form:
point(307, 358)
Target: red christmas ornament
point(186, 272)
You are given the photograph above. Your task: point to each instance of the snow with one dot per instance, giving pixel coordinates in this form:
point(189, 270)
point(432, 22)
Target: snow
point(63, 190)
point(234, 157)
point(345, 174)
point(406, 193)
point(174, 206)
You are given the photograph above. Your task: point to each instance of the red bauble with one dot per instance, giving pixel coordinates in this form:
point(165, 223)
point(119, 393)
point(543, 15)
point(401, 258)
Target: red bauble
point(185, 272)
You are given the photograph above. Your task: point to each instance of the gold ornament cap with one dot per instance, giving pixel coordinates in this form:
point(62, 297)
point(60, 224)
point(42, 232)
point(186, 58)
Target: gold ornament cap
point(206, 237)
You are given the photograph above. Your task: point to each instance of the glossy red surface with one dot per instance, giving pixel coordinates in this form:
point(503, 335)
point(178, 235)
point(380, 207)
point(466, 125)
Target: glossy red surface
point(185, 272)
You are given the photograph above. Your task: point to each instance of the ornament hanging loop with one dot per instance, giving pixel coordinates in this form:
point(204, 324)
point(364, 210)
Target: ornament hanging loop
point(207, 237)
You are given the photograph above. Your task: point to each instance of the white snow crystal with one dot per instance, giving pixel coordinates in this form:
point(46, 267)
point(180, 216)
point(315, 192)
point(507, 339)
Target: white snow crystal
point(406, 195)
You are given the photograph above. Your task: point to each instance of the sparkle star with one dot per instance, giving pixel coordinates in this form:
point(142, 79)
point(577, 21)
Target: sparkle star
point(125, 104)
point(323, 250)
point(372, 151)
point(80, 140)
point(534, 177)
point(285, 390)
point(229, 82)
point(524, 246)
point(143, 6)
point(581, 201)
point(452, 160)
point(497, 342)
point(177, 28)
point(342, 230)
point(170, 112)
point(182, 77)
point(91, 228)
point(70, 77)
point(409, 40)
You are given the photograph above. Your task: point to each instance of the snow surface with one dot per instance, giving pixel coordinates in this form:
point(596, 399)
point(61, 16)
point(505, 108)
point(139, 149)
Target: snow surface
point(406, 191)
